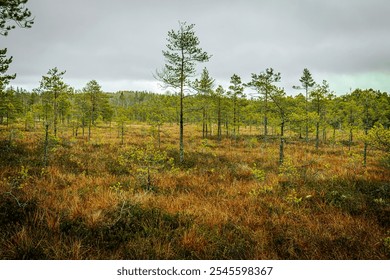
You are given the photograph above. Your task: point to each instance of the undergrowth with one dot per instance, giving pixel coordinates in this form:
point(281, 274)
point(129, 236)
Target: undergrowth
point(228, 200)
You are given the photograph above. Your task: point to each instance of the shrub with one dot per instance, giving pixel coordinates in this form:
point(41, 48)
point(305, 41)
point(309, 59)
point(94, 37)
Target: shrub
point(145, 162)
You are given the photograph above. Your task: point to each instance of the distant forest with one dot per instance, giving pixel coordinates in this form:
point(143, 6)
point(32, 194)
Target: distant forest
point(320, 115)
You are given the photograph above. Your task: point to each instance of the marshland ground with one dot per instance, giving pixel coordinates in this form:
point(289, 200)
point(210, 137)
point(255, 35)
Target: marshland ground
point(230, 199)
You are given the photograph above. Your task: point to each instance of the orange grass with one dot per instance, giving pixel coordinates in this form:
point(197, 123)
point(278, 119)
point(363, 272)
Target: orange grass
point(85, 205)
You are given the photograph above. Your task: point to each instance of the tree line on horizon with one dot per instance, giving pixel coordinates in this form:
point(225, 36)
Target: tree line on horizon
point(222, 112)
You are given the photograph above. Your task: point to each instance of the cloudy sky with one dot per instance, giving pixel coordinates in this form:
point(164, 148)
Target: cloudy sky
point(119, 43)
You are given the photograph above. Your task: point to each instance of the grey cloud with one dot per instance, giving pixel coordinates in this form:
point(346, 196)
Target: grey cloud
point(122, 40)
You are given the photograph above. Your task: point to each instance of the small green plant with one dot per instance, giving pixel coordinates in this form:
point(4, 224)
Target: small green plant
point(15, 134)
point(355, 161)
point(380, 201)
point(206, 146)
point(146, 162)
point(252, 142)
point(293, 198)
point(386, 245)
point(23, 173)
point(262, 190)
point(288, 173)
point(258, 174)
point(336, 198)
point(118, 187)
point(20, 180)
point(17, 183)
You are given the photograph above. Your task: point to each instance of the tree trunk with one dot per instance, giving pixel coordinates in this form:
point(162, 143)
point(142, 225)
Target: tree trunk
point(181, 132)
point(334, 136)
point(350, 139)
point(281, 146)
point(55, 114)
point(210, 125)
point(238, 122)
point(89, 131)
point(307, 117)
point(83, 125)
point(158, 135)
point(46, 146)
point(324, 138)
point(207, 126)
point(122, 133)
point(317, 134)
point(219, 129)
point(266, 117)
point(365, 148)
point(234, 120)
point(7, 117)
point(365, 154)
point(181, 140)
point(203, 123)
point(227, 128)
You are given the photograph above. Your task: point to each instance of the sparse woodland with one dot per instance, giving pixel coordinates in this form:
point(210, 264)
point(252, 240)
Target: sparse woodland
point(203, 172)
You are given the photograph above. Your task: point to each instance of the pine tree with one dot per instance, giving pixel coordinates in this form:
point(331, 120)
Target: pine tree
point(219, 93)
point(54, 86)
point(181, 57)
point(14, 11)
point(352, 111)
point(10, 10)
point(307, 83)
point(4, 65)
point(319, 98)
point(235, 93)
point(278, 97)
point(4, 81)
point(92, 93)
point(204, 86)
point(263, 84)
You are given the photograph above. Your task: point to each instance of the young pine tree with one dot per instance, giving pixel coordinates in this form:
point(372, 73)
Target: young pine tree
point(4, 81)
point(235, 93)
point(307, 83)
point(204, 86)
point(218, 95)
point(181, 58)
point(92, 93)
point(319, 98)
point(54, 87)
point(263, 84)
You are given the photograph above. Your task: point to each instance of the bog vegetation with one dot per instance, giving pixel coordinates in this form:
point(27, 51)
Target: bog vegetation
point(109, 182)
point(245, 172)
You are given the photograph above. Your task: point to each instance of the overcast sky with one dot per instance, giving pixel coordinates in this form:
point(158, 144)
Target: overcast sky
point(119, 43)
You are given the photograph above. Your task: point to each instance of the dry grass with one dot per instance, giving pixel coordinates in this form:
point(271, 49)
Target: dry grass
point(227, 201)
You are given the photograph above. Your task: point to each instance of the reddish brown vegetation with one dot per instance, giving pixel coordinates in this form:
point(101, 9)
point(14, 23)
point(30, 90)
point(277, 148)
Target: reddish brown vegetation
point(227, 201)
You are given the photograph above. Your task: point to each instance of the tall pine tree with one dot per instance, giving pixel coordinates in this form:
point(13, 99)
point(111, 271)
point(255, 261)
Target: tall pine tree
point(181, 57)
point(307, 83)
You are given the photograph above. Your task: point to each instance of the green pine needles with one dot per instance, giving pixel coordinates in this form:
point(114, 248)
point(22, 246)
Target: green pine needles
point(182, 55)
